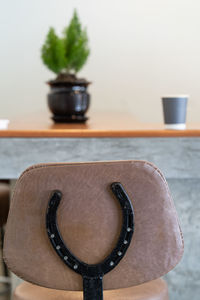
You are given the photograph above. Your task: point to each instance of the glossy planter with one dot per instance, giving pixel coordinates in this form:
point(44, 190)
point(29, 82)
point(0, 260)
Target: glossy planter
point(69, 103)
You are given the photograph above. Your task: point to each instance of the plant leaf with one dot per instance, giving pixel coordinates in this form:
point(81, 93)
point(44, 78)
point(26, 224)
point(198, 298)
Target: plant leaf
point(53, 52)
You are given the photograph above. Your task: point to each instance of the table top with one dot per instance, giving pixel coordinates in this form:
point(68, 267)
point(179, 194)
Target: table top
point(99, 125)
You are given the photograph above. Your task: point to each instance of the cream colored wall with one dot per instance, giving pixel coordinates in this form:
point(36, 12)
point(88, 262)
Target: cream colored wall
point(140, 49)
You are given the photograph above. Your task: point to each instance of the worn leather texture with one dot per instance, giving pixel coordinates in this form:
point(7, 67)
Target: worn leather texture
point(89, 219)
point(153, 290)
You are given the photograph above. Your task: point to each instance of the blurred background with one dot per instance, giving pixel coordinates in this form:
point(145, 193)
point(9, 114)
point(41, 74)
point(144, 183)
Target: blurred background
point(140, 50)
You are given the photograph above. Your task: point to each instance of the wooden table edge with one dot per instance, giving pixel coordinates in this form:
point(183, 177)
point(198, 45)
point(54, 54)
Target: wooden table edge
point(98, 133)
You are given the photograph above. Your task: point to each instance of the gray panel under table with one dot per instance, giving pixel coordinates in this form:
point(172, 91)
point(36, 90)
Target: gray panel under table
point(184, 280)
point(178, 158)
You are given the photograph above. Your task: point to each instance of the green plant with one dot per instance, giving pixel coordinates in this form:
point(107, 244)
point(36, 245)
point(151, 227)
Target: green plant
point(69, 53)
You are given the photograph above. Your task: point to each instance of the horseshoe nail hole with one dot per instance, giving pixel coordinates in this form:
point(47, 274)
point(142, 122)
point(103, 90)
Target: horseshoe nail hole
point(112, 263)
point(75, 267)
point(58, 247)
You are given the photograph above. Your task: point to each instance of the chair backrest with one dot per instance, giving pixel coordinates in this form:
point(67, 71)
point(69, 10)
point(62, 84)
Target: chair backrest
point(90, 219)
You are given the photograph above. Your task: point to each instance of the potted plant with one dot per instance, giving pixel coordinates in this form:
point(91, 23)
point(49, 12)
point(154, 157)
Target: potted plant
point(68, 99)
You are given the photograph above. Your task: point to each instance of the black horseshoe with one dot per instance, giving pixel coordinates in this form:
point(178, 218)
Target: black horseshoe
point(92, 273)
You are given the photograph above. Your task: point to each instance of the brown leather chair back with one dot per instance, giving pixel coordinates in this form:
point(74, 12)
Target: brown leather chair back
point(89, 218)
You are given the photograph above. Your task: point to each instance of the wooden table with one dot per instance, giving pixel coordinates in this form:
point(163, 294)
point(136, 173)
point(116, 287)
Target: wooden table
point(100, 125)
point(37, 139)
